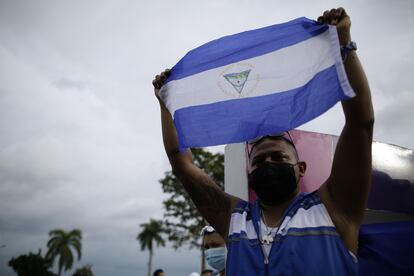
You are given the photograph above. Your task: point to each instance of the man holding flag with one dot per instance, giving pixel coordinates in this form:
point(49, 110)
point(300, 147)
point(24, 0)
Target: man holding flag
point(286, 232)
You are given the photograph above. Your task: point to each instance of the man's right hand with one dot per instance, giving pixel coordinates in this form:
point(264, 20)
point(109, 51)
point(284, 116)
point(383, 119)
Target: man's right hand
point(159, 81)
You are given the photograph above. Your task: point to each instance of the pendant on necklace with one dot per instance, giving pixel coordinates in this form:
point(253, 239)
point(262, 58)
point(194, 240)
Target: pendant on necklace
point(267, 239)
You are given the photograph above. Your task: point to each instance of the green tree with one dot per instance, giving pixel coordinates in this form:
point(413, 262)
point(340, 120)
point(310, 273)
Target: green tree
point(183, 221)
point(31, 265)
point(151, 232)
point(84, 271)
point(61, 244)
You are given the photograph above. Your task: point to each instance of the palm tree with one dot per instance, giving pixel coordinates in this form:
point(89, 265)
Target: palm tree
point(150, 233)
point(60, 244)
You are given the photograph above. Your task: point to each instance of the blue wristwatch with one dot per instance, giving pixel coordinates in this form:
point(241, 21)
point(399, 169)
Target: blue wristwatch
point(347, 48)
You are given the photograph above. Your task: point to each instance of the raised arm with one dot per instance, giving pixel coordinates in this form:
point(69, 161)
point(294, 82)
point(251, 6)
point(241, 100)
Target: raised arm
point(345, 193)
point(214, 204)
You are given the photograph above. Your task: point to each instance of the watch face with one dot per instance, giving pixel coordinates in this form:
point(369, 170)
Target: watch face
point(353, 45)
point(349, 46)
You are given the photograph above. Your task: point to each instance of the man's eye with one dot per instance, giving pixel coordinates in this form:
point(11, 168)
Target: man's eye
point(278, 158)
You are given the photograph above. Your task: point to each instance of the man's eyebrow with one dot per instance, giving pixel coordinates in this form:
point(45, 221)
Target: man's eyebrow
point(270, 152)
point(280, 152)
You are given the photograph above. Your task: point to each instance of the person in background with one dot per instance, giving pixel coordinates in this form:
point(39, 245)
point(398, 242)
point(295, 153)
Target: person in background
point(215, 250)
point(158, 272)
point(207, 272)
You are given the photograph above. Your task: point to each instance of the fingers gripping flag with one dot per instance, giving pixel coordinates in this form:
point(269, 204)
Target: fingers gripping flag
point(255, 83)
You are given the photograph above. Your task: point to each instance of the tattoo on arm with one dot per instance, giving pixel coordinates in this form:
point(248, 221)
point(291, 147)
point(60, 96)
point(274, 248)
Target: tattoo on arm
point(213, 203)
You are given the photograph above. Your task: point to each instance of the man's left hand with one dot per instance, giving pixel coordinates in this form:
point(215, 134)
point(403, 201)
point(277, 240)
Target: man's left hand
point(341, 20)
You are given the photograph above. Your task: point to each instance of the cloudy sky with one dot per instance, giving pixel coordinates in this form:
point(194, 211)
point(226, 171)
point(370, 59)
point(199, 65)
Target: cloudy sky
point(80, 140)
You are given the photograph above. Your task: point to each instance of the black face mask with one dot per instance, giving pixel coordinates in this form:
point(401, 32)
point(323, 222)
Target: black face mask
point(273, 183)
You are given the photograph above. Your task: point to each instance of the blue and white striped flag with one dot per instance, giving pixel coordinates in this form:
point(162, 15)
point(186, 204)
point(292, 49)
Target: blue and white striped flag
point(254, 83)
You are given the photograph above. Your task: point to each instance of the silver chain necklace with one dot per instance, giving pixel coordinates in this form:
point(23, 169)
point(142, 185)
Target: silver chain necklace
point(268, 238)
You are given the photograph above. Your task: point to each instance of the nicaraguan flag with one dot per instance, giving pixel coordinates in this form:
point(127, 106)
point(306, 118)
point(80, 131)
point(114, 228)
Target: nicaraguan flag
point(254, 83)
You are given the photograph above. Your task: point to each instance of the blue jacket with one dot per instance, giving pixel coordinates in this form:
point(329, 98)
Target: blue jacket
point(306, 242)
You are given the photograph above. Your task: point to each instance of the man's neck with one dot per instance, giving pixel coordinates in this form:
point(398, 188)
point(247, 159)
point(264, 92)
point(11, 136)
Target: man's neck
point(273, 213)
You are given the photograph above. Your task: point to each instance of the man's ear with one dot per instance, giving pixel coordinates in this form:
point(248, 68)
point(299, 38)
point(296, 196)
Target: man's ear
point(302, 168)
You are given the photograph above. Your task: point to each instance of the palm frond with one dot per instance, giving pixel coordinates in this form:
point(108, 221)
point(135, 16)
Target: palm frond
point(78, 247)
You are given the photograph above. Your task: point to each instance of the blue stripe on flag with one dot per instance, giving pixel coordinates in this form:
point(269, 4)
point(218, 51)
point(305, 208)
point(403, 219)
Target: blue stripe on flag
point(239, 120)
point(234, 48)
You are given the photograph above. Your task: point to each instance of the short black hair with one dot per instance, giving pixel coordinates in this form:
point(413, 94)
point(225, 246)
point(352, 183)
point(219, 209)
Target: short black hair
point(157, 272)
point(206, 271)
point(290, 143)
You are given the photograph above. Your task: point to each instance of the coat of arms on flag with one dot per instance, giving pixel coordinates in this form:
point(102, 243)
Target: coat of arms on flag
point(237, 80)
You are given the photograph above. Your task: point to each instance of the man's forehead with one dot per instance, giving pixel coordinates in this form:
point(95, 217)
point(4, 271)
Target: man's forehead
point(272, 145)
